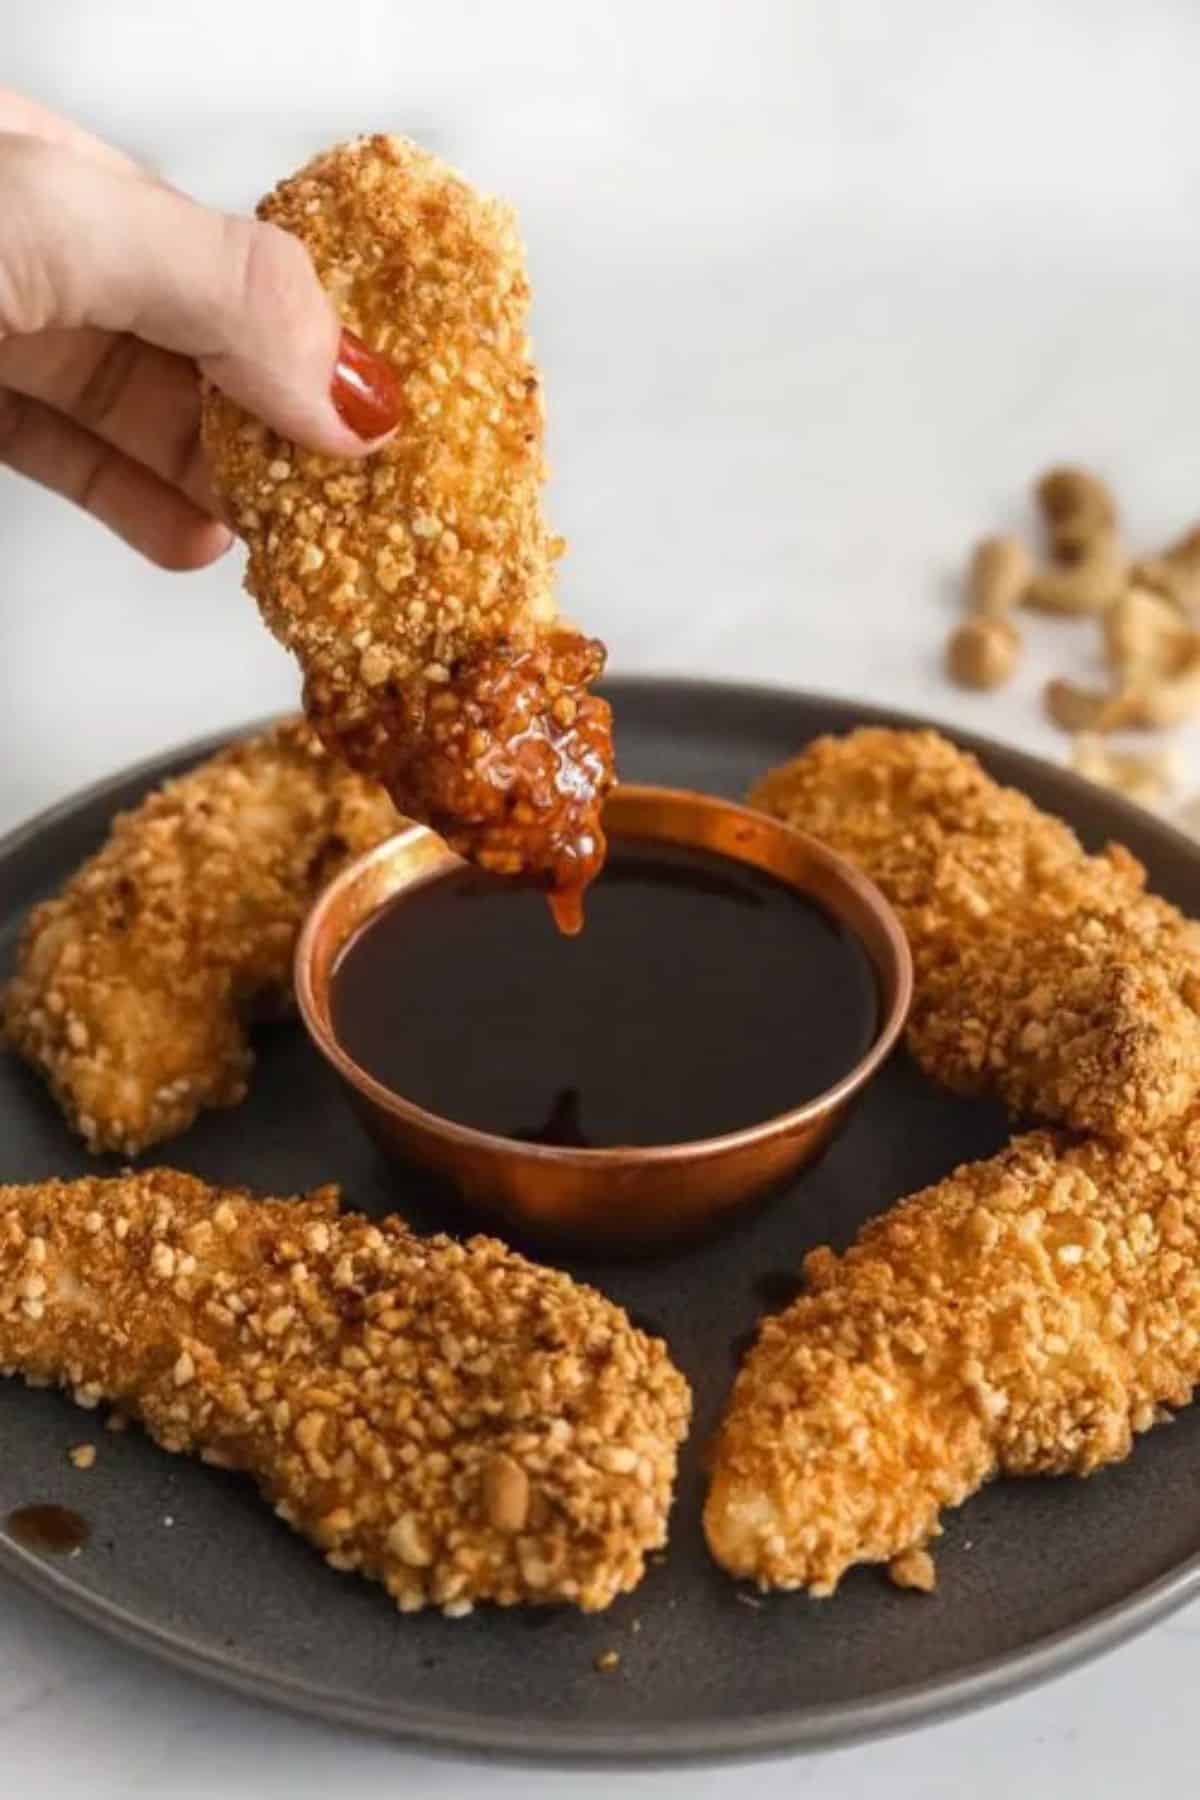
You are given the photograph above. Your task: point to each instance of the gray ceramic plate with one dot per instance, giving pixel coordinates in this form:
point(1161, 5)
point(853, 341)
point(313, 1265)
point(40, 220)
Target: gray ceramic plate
point(185, 1563)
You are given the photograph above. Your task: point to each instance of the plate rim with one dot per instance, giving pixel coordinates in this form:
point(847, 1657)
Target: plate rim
point(577, 1743)
point(779, 1733)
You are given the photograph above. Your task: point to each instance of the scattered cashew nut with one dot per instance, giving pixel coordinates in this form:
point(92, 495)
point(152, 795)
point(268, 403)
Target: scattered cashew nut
point(1144, 634)
point(997, 576)
point(1148, 778)
point(982, 652)
point(1095, 576)
point(1077, 508)
point(1169, 699)
point(1147, 701)
point(1146, 612)
point(1088, 569)
point(1083, 709)
point(1176, 572)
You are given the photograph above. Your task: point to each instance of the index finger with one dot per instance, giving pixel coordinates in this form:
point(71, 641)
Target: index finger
point(28, 118)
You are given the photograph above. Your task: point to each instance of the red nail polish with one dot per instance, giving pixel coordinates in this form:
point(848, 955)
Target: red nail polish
point(365, 390)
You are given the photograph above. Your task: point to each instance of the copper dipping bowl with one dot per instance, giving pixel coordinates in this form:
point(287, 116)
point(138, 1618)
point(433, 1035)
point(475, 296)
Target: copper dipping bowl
point(617, 1201)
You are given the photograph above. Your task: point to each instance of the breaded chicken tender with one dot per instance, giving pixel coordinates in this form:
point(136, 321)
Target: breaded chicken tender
point(1043, 975)
point(448, 1419)
point(135, 984)
point(1026, 1316)
point(415, 588)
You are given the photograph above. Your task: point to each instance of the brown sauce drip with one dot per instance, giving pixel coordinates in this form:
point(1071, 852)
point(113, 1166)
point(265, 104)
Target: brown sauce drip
point(563, 1128)
point(53, 1530)
point(566, 909)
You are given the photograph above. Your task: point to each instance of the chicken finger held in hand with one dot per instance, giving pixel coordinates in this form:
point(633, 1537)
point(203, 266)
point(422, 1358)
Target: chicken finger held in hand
point(415, 587)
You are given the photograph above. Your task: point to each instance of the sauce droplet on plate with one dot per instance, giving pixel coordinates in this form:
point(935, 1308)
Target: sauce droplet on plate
point(56, 1530)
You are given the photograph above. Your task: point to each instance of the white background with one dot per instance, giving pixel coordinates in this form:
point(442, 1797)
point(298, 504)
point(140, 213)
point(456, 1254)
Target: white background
point(820, 288)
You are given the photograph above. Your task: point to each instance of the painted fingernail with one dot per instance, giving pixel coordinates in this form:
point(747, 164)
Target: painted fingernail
point(365, 389)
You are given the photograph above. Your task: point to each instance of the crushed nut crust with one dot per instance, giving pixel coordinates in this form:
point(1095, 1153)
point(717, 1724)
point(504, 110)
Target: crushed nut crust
point(415, 588)
point(1027, 1316)
point(134, 984)
point(1043, 975)
point(445, 1418)
point(507, 762)
point(913, 1569)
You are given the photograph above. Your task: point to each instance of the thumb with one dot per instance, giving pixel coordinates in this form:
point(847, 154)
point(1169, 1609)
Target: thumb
point(85, 244)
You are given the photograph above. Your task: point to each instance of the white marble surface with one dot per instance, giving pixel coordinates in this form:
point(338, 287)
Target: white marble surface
point(820, 288)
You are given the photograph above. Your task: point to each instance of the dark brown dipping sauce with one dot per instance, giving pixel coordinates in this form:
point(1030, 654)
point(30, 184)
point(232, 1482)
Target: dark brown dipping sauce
point(703, 996)
point(53, 1529)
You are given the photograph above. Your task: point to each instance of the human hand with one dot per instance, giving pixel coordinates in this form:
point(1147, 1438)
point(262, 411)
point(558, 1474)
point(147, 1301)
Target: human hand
point(116, 293)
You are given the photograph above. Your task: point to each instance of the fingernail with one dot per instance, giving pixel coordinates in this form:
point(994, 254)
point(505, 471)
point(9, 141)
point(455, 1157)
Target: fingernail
point(365, 390)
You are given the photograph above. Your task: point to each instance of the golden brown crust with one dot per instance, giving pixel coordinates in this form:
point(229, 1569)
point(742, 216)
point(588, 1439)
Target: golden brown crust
point(509, 761)
point(445, 1418)
point(390, 578)
point(1026, 1316)
point(438, 540)
point(1043, 975)
point(134, 984)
